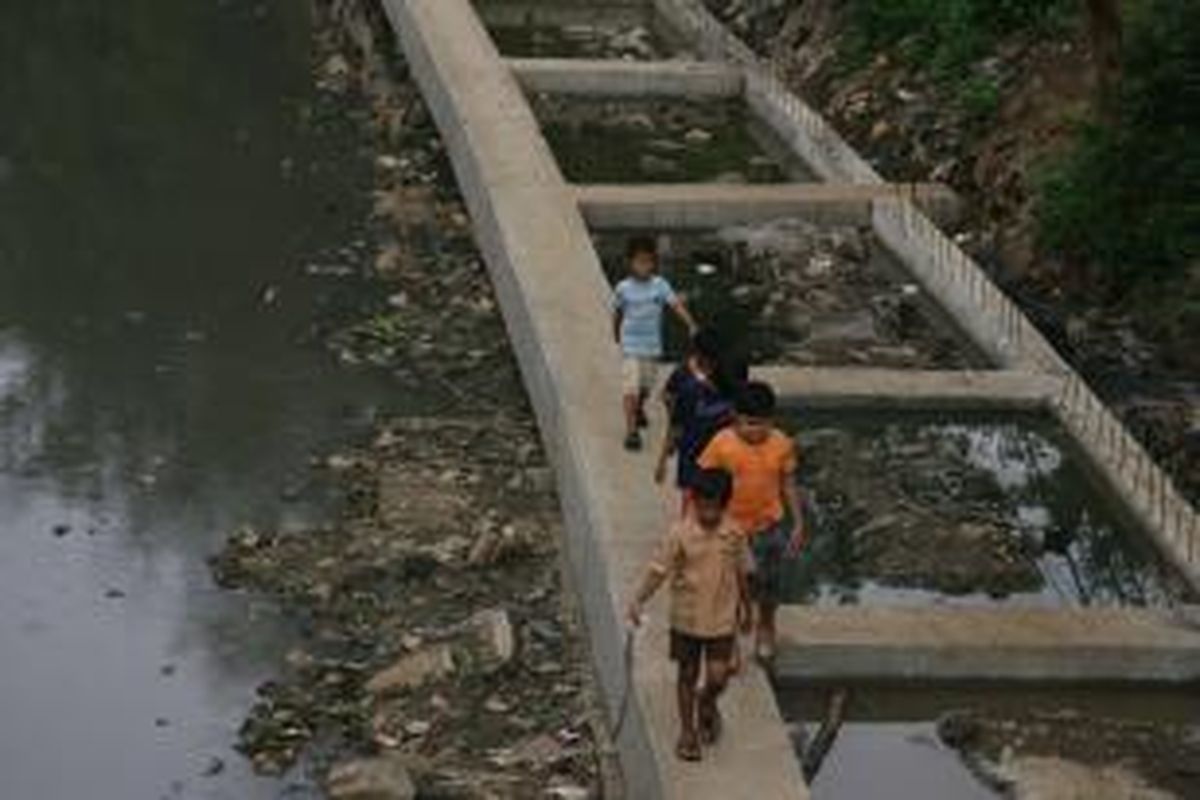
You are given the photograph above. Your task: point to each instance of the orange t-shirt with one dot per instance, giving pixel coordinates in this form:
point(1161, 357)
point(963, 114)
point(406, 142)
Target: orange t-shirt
point(758, 474)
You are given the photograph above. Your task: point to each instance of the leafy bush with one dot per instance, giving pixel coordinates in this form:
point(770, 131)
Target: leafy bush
point(945, 33)
point(1128, 196)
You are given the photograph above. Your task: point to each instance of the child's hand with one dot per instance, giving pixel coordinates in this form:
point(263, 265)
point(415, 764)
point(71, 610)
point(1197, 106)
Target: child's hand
point(634, 614)
point(796, 542)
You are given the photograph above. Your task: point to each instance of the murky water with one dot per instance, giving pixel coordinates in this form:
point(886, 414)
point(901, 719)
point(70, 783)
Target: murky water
point(577, 30)
point(177, 206)
point(616, 140)
point(972, 509)
point(889, 745)
point(788, 292)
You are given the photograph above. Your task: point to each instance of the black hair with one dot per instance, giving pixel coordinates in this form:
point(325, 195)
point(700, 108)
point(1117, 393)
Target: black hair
point(712, 484)
point(756, 399)
point(707, 344)
point(641, 244)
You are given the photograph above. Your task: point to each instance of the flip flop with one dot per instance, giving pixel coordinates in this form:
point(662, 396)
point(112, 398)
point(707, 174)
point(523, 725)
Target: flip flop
point(688, 749)
point(710, 723)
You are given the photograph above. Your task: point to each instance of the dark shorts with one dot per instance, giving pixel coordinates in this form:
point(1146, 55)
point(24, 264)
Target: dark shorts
point(767, 550)
point(688, 649)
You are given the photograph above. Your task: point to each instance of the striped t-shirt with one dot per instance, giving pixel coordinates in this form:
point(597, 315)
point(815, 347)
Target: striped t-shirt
point(640, 303)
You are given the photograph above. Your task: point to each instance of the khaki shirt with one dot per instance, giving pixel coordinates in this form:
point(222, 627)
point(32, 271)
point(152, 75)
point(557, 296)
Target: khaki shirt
point(702, 567)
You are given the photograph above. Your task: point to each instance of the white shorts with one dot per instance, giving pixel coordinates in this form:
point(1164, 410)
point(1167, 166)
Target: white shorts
point(638, 374)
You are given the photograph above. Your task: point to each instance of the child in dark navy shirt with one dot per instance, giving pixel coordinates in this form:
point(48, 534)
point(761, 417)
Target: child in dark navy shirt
point(699, 400)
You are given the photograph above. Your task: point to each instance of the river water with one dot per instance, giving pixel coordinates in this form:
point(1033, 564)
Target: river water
point(177, 206)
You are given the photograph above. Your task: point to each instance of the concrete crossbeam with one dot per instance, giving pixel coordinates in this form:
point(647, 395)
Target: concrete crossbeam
point(599, 78)
point(864, 644)
point(714, 205)
point(875, 388)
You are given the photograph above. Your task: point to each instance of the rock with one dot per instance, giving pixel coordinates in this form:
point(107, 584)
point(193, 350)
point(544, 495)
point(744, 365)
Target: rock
point(567, 792)
point(667, 146)
point(493, 643)
point(697, 136)
point(214, 767)
point(819, 266)
point(637, 121)
point(60, 531)
point(339, 463)
point(497, 545)
point(385, 778)
point(412, 671)
point(854, 326)
point(659, 167)
point(880, 129)
point(494, 705)
point(850, 245)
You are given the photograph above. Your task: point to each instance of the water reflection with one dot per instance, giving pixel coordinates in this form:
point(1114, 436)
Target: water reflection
point(919, 509)
point(167, 175)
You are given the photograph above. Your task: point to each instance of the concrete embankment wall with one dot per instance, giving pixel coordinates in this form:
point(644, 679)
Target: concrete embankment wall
point(995, 324)
point(554, 299)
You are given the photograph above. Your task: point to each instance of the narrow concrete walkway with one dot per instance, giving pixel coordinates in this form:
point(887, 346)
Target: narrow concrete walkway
point(1039, 646)
point(717, 205)
point(554, 298)
point(601, 78)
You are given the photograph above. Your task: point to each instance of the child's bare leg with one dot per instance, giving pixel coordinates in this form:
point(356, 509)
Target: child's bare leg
point(631, 413)
point(717, 670)
point(689, 743)
point(765, 630)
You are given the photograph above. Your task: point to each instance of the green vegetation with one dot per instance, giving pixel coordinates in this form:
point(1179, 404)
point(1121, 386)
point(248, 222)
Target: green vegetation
point(946, 34)
point(1127, 197)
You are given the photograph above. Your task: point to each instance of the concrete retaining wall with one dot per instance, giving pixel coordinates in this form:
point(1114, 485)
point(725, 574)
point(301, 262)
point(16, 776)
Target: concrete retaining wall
point(690, 79)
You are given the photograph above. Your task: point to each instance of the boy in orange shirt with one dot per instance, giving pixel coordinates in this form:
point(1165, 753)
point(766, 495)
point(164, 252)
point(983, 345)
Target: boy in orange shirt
point(705, 558)
point(762, 460)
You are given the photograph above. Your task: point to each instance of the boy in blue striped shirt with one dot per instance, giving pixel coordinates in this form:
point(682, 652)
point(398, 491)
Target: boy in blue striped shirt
point(638, 303)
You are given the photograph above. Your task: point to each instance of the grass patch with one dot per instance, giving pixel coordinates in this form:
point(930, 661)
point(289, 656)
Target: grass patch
point(945, 35)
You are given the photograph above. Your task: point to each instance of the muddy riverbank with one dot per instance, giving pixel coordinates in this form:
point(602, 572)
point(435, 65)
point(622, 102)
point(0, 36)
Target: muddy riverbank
point(436, 639)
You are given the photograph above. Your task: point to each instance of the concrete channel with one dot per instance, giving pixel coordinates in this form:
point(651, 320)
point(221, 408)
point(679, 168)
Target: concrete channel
point(533, 229)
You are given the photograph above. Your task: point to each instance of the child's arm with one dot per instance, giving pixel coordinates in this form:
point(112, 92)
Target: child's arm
point(671, 437)
point(681, 311)
point(669, 445)
point(653, 579)
point(745, 602)
point(791, 501)
point(660, 567)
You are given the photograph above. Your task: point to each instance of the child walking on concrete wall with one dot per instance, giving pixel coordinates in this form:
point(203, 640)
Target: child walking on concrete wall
point(705, 559)
point(638, 303)
point(766, 501)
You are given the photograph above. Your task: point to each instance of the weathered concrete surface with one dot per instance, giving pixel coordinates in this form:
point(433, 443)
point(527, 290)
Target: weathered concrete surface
point(863, 644)
point(553, 296)
point(611, 78)
point(872, 388)
point(714, 205)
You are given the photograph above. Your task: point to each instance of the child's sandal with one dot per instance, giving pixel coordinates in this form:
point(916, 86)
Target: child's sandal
point(688, 749)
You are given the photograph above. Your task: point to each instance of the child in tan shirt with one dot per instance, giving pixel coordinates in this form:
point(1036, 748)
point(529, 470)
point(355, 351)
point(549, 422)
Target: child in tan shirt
point(704, 557)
